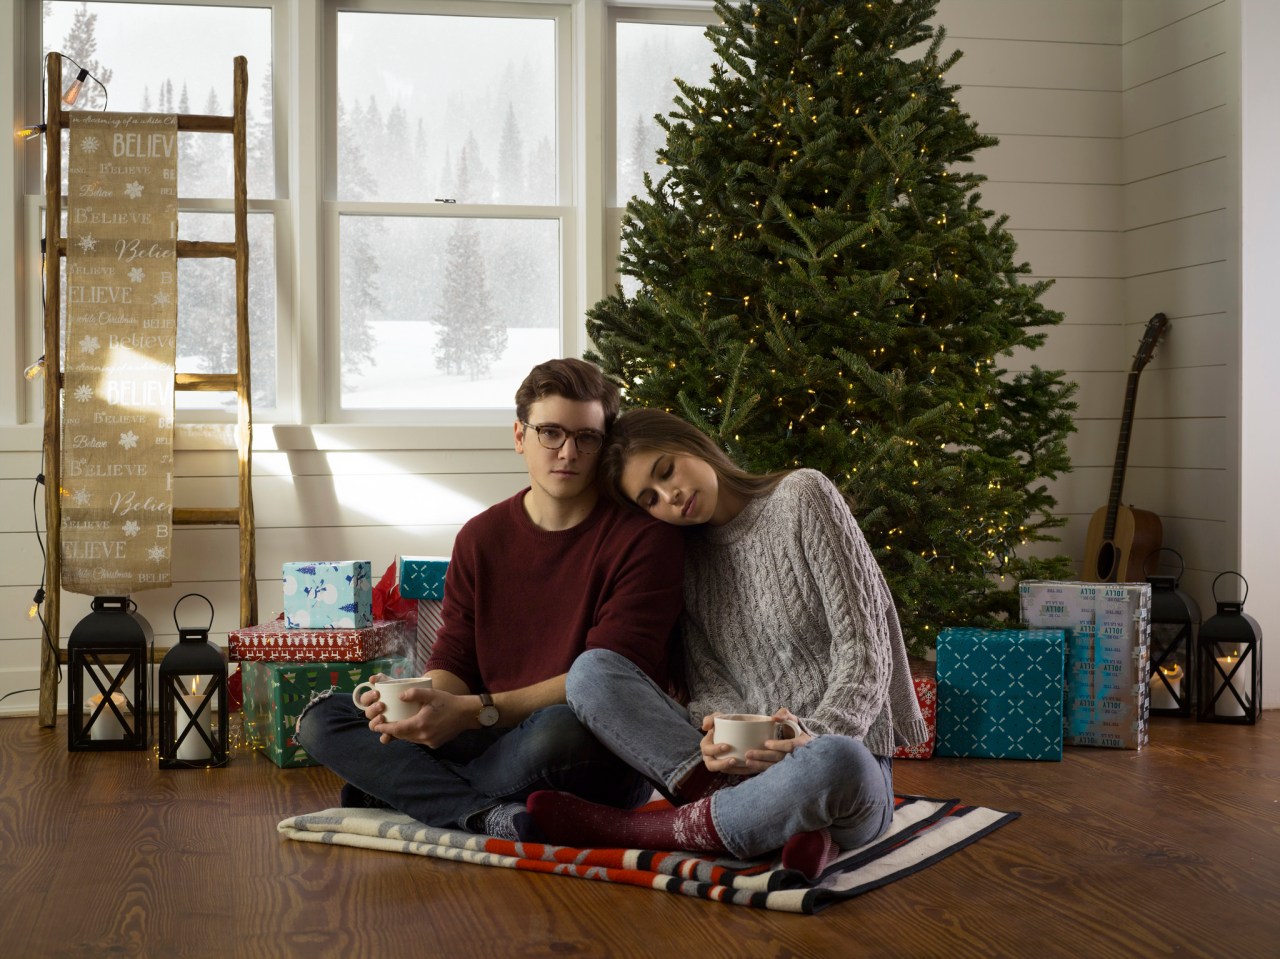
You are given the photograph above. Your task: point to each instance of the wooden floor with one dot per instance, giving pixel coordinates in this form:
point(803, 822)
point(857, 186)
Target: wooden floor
point(1172, 851)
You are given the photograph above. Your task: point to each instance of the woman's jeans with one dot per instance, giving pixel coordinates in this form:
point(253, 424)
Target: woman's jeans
point(833, 782)
point(474, 772)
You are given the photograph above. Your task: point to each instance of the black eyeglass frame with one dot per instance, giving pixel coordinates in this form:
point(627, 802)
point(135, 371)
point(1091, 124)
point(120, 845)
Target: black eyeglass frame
point(575, 435)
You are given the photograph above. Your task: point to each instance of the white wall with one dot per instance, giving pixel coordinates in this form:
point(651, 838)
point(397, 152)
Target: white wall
point(1259, 203)
point(1118, 169)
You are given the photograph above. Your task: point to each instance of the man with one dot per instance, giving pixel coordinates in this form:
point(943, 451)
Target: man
point(533, 582)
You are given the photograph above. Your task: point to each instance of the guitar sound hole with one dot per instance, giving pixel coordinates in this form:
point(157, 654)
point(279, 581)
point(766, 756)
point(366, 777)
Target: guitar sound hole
point(1106, 562)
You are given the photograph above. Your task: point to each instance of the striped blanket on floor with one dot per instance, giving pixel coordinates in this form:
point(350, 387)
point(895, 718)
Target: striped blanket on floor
point(923, 832)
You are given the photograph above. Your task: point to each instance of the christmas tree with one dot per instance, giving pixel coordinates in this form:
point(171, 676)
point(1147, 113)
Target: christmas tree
point(819, 286)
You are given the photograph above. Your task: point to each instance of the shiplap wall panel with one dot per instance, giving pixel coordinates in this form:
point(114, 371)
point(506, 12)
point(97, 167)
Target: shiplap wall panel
point(1049, 159)
point(1176, 195)
point(1145, 17)
point(1191, 241)
point(1185, 142)
point(1056, 206)
point(1081, 254)
point(1079, 21)
point(1088, 300)
point(1195, 88)
point(1063, 113)
point(1040, 64)
point(1166, 46)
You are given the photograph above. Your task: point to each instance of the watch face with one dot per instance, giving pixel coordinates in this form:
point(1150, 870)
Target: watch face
point(488, 715)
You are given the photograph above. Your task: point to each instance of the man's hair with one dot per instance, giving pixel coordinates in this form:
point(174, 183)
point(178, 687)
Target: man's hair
point(572, 379)
point(657, 431)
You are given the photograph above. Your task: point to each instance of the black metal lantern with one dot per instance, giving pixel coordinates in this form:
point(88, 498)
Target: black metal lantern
point(193, 698)
point(107, 678)
point(1174, 617)
point(1230, 662)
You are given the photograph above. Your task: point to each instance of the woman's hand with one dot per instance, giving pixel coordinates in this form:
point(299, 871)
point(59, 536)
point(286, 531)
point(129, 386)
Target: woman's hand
point(757, 760)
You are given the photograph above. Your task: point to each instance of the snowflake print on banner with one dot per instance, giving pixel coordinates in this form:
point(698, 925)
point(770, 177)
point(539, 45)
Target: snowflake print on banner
point(129, 440)
point(137, 274)
point(83, 393)
point(90, 144)
point(156, 553)
point(130, 528)
point(162, 299)
point(80, 497)
point(90, 345)
point(88, 243)
point(134, 190)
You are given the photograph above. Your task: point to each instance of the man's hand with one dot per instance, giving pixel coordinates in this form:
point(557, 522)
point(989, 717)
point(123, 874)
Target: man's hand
point(440, 717)
point(757, 760)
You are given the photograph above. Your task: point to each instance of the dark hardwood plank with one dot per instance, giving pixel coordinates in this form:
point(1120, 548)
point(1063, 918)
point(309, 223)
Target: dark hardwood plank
point(1171, 851)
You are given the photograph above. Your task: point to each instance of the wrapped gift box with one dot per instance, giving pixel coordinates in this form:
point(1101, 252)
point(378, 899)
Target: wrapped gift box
point(325, 595)
point(925, 681)
point(430, 619)
point(1000, 693)
point(276, 693)
point(421, 577)
point(1108, 656)
point(276, 642)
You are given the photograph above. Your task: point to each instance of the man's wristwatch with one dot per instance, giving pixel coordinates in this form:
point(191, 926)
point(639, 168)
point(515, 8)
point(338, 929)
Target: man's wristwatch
point(488, 715)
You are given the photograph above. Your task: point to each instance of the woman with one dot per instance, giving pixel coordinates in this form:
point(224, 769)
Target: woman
point(786, 612)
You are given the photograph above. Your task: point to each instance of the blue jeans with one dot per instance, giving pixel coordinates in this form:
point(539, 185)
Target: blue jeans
point(476, 771)
point(833, 782)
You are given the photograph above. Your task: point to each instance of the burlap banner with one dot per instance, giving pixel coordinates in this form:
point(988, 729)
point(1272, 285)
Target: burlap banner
point(122, 325)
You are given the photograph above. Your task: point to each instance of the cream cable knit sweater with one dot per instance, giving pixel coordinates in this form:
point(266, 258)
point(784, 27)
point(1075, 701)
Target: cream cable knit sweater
point(786, 606)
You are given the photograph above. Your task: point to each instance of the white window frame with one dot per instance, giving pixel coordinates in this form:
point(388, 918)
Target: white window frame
point(29, 403)
point(306, 208)
point(698, 14)
point(572, 326)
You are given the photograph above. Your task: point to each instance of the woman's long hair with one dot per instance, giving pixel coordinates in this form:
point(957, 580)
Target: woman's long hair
point(657, 431)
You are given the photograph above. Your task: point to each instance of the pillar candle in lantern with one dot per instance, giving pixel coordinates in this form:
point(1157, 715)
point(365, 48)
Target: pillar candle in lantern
point(1162, 696)
point(106, 726)
point(1227, 704)
point(194, 746)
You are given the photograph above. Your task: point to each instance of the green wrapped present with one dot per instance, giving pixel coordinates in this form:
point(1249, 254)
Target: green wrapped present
point(276, 693)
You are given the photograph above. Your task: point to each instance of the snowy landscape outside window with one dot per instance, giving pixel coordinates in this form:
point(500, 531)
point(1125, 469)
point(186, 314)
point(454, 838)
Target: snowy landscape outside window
point(450, 231)
point(649, 56)
point(174, 58)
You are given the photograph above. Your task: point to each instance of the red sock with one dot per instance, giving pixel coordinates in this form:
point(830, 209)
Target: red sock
point(567, 820)
point(702, 782)
point(810, 853)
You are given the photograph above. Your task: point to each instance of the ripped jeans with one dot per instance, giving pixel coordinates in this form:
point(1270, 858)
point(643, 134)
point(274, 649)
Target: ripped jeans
point(479, 769)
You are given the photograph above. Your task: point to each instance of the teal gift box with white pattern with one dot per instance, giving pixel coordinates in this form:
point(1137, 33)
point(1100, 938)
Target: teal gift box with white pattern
point(1000, 693)
point(421, 577)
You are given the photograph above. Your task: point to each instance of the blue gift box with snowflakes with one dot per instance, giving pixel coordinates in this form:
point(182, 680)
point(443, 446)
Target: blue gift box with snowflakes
point(328, 595)
point(1000, 693)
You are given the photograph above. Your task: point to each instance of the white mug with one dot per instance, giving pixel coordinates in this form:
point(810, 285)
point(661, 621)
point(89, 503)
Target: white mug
point(389, 691)
point(745, 731)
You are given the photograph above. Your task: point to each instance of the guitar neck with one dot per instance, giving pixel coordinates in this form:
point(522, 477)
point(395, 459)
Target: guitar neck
point(1122, 455)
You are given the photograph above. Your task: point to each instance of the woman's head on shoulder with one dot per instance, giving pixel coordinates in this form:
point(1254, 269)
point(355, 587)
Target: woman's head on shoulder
point(665, 466)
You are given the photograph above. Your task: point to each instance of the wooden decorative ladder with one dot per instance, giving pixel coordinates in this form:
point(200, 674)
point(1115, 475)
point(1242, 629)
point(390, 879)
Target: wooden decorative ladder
point(240, 515)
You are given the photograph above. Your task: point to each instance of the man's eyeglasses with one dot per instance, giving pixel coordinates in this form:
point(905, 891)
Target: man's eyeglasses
point(554, 437)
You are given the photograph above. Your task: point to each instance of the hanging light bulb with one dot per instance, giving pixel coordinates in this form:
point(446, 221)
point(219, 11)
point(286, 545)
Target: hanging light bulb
point(29, 132)
point(73, 92)
point(35, 370)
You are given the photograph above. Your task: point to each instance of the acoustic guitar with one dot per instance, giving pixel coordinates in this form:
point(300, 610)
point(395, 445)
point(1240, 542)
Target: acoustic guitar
point(1120, 538)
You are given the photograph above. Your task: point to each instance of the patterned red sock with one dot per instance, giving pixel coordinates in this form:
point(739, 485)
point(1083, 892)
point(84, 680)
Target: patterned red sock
point(702, 782)
point(567, 820)
point(810, 853)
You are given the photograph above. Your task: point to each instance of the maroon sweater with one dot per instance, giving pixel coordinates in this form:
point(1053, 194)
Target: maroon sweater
point(520, 603)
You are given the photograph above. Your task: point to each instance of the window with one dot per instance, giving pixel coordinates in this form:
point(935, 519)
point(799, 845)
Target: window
point(649, 54)
point(450, 235)
point(435, 185)
point(177, 58)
